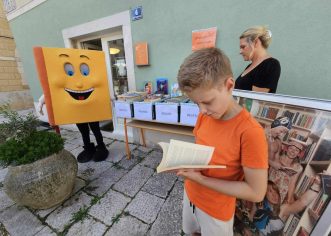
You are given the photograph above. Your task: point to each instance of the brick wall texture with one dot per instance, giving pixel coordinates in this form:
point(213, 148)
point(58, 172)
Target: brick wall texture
point(12, 86)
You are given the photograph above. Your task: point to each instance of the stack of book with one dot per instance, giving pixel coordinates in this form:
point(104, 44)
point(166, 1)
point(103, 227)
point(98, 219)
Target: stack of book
point(132, 96)
point(268, 112)
point(300, 119)
point(291, 225)
point(177, 99)
point(308, 153)
point(322, 199)
point(153, 98)
point(307, 181)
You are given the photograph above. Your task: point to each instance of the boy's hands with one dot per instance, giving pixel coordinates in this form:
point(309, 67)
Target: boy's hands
point(192, 174)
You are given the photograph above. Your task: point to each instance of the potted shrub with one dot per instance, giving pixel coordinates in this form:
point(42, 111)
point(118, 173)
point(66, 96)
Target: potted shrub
point(41, 174)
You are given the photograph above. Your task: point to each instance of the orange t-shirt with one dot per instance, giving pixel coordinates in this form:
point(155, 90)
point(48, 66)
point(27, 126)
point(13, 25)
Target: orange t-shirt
point(238, 142)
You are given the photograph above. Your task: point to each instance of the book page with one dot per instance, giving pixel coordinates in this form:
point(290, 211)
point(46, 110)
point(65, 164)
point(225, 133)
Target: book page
point(179, 154)
point(183, 153)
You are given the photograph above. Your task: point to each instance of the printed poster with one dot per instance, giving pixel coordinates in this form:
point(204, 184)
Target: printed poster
point(204, 38)
point(299, 156)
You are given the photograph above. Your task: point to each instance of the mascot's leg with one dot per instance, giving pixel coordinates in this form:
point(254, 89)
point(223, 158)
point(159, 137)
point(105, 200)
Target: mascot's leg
point(101, 152)
point(89, 148)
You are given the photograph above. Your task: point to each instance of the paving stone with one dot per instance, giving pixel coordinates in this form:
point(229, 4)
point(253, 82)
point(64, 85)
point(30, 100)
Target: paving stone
point(178, 189)
point(69, 135)
point(92, 170)
point(152, 160)
point(69, 147)
point(79, 184)
point(116, 151)
point(138, 154)
point(5, 201)
point(46, 231)
point(128, 226)
point(160, 184)
point(109, 207)
point(102, 184)
point(63, 215)
point(143, 211)
point(76, 141)
point(132, 182)
point(88, 227)
point(3, 173)
point(45, 212)
point(129, 164)
point(108, 141)
point(77, 150)
point(20, 221)
point(157, 148)
point(144, 149)
point(169, 220)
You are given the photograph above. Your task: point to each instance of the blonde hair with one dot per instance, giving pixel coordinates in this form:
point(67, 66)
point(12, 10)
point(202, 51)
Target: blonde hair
point(203, 68)
point(260, 32)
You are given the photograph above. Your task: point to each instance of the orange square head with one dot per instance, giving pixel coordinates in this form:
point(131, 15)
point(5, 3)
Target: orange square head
point(75, 85)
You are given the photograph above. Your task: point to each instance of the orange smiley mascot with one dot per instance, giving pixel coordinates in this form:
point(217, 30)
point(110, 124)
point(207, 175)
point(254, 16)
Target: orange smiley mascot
point(76, 91)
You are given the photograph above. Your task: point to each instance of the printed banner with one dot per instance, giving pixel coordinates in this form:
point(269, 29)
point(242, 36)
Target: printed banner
point(299, 142)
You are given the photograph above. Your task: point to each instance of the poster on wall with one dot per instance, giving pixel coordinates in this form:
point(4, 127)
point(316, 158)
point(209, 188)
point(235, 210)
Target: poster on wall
point(204, 38)
point(141, 50)
point(299, 171)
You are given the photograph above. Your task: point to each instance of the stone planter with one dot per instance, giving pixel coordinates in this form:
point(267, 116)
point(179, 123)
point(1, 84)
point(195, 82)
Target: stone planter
point(44, 183)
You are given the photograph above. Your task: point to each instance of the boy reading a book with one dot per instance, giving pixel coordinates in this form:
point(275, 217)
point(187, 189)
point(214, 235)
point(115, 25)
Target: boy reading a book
point(239, 141)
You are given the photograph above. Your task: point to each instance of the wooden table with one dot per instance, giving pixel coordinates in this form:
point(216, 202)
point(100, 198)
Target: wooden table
point(154, 126)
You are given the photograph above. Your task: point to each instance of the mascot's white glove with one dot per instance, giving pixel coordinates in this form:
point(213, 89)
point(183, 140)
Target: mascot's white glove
point(41, 102)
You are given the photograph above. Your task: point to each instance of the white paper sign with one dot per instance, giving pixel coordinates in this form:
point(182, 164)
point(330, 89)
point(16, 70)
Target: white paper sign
point(123, 109)
point(143, 110)
point(166, 112)
point(188, 113)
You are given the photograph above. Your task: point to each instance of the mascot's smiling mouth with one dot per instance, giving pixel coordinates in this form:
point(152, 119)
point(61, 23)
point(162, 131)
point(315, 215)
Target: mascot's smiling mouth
point(79, 94)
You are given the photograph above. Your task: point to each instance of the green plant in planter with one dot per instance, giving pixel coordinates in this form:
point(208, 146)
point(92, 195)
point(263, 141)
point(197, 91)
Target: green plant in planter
point(41, 173)
point(21, 143)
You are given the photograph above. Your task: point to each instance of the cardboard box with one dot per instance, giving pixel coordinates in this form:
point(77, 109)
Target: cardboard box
point(123, 109)
point(188, 113)
point(143, 110)
point(167, 112)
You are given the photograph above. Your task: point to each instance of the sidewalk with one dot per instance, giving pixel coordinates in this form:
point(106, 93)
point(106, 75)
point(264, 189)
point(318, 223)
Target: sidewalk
point(113, 197)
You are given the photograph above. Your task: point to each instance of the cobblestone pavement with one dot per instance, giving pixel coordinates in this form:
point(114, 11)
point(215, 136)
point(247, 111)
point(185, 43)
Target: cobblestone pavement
point(113, 197)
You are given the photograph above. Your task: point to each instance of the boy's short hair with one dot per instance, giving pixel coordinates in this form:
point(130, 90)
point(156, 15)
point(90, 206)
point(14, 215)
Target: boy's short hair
point(204, 68)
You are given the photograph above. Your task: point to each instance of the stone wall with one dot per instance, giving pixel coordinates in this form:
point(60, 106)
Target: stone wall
point(13, 89)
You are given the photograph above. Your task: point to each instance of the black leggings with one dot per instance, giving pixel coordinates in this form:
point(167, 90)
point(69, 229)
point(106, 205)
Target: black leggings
point(84, 129)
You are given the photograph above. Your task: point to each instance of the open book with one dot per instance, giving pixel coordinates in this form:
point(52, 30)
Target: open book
point(179, 155)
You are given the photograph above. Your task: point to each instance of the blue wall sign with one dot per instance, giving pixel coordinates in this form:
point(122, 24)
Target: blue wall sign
point(137, 13)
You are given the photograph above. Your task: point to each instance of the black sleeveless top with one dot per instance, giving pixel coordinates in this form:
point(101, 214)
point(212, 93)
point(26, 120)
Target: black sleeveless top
point(264, 75)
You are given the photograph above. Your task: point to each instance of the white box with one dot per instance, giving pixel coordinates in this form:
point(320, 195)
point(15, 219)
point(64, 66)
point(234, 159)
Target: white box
point(143, 110)
point(189, 113)
point(123, 109)
point(166, 112)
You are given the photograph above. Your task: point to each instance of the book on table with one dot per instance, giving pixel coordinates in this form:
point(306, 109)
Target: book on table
point(185, 155)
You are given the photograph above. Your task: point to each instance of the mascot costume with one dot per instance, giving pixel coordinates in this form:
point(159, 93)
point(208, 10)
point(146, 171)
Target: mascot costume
point(76, 91)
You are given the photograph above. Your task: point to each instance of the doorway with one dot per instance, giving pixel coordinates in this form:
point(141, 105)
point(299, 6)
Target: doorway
point(95, 44)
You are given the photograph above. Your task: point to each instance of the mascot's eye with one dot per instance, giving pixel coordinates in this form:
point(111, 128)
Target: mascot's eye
point(84, 69)
point(69, 69)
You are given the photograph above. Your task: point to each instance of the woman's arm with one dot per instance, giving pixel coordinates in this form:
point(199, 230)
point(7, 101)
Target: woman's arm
point(263, 90)
point(253, 188)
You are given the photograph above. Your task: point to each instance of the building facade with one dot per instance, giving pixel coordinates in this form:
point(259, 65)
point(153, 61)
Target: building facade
point(14, 90)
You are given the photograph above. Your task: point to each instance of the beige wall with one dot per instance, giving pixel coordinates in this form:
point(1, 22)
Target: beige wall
point(13, 88)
